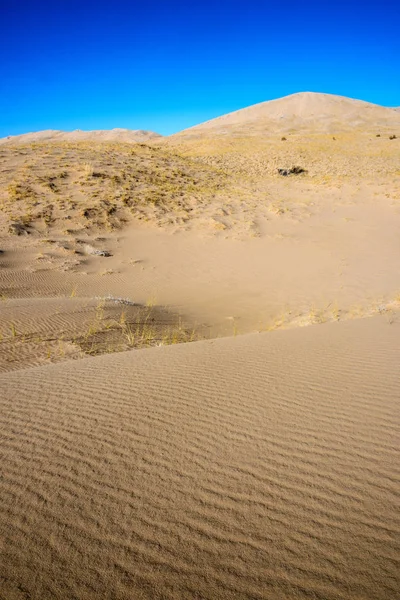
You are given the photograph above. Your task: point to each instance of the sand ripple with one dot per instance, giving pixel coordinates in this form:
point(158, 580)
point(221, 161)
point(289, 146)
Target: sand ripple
point(265, 466)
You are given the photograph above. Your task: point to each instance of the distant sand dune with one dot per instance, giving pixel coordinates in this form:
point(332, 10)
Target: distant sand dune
point(302, 111)
point(112, 135)
point(296, 112)
point(265, 466)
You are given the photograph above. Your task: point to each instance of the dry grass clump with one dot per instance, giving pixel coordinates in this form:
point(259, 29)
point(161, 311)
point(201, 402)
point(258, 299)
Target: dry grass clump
point(137, 327)
point(20, 191)
point(51, 181)
point(317, 315)
point(257, 156)
point(107, 325)
point(103, 185)
point(292, 171)
point(185, 182)
point(20, 226)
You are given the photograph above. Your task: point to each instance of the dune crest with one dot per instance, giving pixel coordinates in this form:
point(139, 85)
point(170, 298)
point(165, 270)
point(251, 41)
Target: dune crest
point(302, 111)
point(112, 135)
point(263, 465)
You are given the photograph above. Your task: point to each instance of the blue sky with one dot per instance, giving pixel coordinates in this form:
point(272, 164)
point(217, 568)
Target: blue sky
point(165, 66)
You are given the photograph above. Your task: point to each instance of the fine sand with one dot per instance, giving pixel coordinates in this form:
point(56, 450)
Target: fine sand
point(265, 466)
point(199, 358)
point(303, 111)
point(112, 135)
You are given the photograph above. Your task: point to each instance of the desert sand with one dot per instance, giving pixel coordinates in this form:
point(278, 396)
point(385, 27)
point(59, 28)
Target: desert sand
point(301, 112)
point(199, 350)
point(112, 135)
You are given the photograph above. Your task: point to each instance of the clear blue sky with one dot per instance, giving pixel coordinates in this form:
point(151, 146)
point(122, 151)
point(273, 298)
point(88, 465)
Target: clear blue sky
point(167, 65)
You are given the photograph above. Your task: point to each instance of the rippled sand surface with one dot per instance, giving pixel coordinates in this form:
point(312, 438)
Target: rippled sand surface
point(263, 466)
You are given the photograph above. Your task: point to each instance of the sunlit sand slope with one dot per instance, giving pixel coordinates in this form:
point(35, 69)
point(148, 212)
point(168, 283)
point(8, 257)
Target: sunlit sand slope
point(265, 466)
point(110, 135)
point(304, 110)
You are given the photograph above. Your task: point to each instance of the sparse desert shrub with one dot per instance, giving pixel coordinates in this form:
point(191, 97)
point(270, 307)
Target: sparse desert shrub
point(297, 170)
point(89, 213)
point(378, 135)
point(108, 207)
point(293, 171)
point(392, 137)
point(49, 181)
point(283, 139)
point(46, 214)
point(20, 191)
point(17, 228)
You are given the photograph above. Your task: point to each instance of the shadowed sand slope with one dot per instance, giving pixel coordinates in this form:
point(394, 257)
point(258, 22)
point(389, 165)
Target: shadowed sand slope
point(304, 110)
point(264, 466)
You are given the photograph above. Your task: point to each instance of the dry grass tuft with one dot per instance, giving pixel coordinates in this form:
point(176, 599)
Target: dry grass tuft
point(102, 186)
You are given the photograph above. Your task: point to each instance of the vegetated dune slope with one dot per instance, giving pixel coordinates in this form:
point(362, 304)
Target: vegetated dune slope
point(302, 111)
point(265, 466)
point(333, 138)
point(112, 135)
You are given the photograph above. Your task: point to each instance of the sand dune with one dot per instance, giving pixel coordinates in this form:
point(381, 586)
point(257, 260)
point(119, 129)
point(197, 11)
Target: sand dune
point(328, 136)
point(112, 135)
point(265, 466)
point(302, 111)
point(255, 466)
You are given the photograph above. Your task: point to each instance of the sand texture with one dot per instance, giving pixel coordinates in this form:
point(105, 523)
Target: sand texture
point(112, 135)
point(199, 358)
point(302, 111)
point(265, 466)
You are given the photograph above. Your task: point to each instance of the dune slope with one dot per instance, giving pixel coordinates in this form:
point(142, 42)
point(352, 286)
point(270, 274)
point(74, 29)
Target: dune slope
point(264, 466)
point(301, 111)
point(106, 135)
